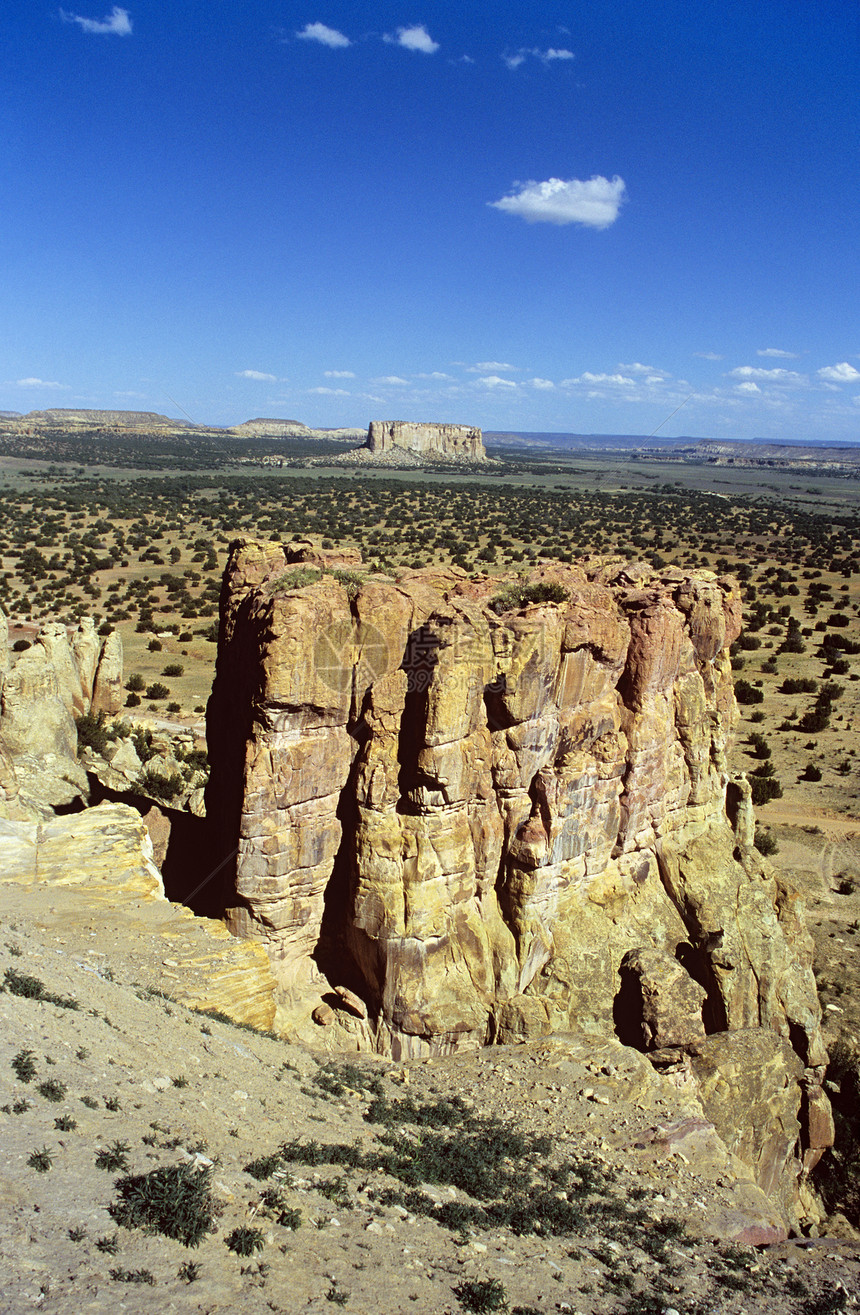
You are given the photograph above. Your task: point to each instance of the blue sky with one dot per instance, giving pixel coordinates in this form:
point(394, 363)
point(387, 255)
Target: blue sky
point(569, 217)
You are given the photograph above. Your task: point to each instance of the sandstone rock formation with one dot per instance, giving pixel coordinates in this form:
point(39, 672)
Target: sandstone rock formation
point(438, 441)
point(468, 808)
point(98, 866)
point(107, 687)
point(42, 693)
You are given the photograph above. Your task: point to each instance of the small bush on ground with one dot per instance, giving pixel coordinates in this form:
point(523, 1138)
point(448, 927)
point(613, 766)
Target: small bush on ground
point(175, 1201)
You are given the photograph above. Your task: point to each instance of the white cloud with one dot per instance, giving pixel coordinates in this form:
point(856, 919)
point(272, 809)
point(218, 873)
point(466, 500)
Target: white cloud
point(617, 380)
point(435, 374)
point(775, 376)
point(329, 392)
point(326, 36)
point(496, 381)
point(338, 374)
point(843, 373)
point(544, 384)
point(38, 383)
point(128, 392)
point(480, 366)
point(655, 375)
point(391, 379)
point(413, 38)
point(545, 56)
point(117, 23)
point(709, 356)
point(594, 203)
point(748, 387)
point(258, 375)
point(777, 351)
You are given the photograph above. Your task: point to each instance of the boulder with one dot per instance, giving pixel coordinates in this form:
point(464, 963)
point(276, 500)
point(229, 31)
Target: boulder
point(662, 1005)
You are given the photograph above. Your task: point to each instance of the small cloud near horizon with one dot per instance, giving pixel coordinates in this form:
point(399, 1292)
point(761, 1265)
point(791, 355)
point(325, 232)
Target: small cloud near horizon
point(709, 356)
point(496, 381)
point(843, 373)
point(39, 383)
point(413, 38)
point(325, 36)
point(777, 351)
point(542, 384)
point(338, 374)
point(391, 379)
point(329, 392)
point(258, 375)
point(594, 203)
point(480, 366)
point(116, 23)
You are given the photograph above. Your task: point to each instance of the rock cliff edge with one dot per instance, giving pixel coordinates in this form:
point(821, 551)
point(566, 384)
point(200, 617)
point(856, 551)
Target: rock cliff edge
point(482, 810)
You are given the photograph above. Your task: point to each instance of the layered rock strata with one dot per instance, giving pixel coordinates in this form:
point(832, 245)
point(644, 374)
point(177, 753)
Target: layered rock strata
point(459, 442)
point(468, 808)
point(95, 869)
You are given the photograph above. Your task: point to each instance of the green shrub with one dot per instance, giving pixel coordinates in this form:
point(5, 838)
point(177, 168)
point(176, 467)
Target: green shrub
point(765, 843)
point(157, 690)
point(245, 1241)
point(114, 1158)
point(135, 682)
point(299, 577)
point(174, 669)
point(745, 693)
point(158, 786)
point(765, 788)
point(481, 1295)
point(94, 731)
point(31, 988)
point(175, 1201)
point(52, 1090)
point(132, 1276)
point(41, 1160)
point(515, 596)
point(24, 1066)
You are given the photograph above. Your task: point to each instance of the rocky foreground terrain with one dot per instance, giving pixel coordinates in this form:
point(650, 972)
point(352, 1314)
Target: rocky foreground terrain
point(564, 1174)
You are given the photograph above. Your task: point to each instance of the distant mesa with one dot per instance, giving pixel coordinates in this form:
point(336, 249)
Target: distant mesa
point(73, 417)
point(460, 442)
point(269, 426)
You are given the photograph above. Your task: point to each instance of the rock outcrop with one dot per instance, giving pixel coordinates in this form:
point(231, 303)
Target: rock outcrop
point(42, 694)
point(437, 441)
point(95, 868)
point(469, 800)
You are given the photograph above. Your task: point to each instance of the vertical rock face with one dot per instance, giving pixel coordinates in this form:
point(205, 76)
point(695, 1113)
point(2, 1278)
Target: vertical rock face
point(4, 646)
point(468, 802)
point(42, 694)
point(107, 685)
point(459, 441)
